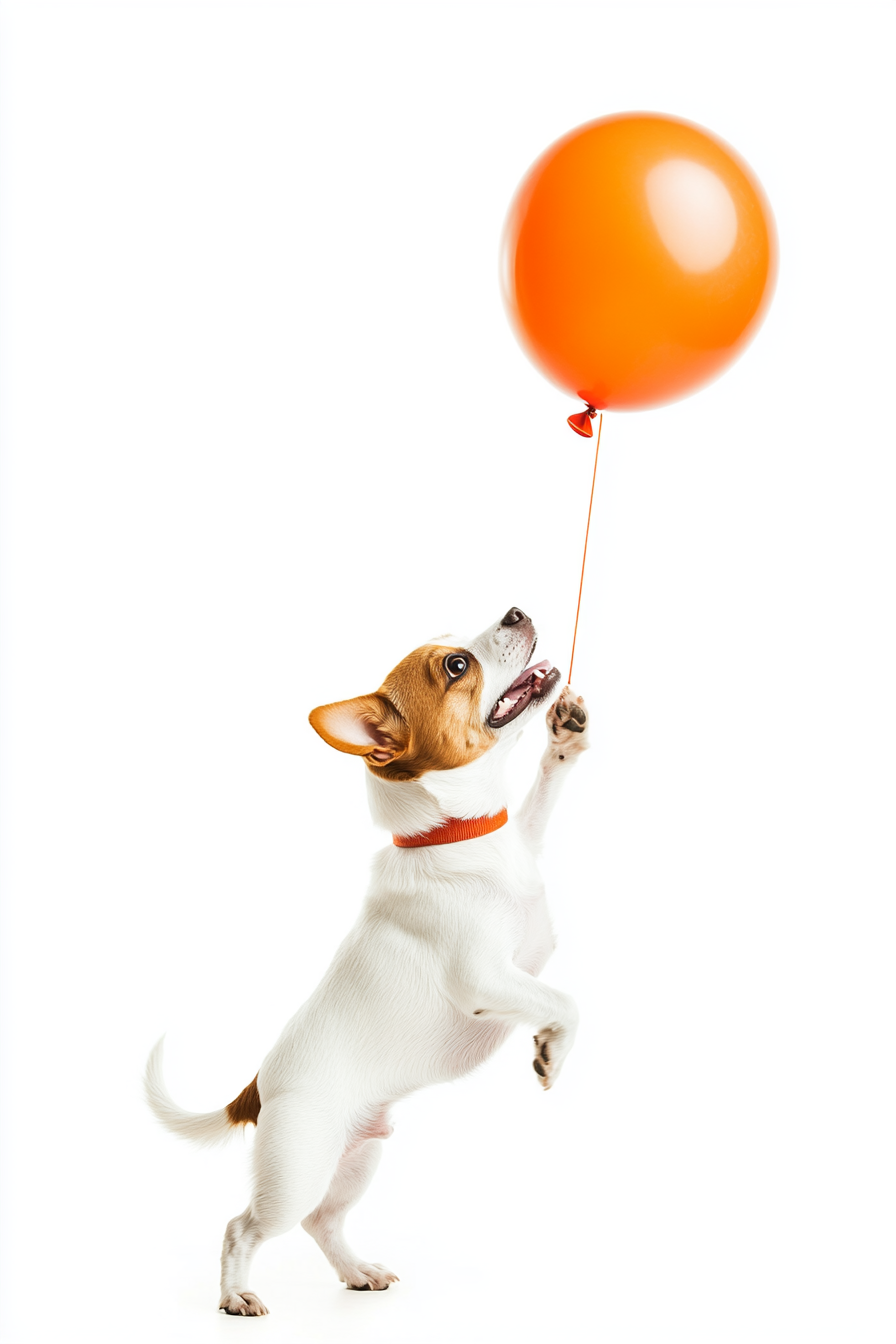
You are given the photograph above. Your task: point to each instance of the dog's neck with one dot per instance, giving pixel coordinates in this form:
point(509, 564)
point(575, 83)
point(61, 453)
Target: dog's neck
point(474, 790)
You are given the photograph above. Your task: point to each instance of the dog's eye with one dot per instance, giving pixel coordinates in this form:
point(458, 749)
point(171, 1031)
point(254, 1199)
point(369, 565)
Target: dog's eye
point(455, 665)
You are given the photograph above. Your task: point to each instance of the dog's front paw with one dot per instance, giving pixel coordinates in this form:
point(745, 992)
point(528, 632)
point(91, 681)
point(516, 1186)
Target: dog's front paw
point(568, 725)
point(551, 1048)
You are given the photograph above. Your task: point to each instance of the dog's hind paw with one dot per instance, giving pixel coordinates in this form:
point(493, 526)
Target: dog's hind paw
point(367, 1278)
point(567, 725)
point(242, 1304)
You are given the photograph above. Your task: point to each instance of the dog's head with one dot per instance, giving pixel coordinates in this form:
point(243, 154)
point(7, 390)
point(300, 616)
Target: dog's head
point(443, 706)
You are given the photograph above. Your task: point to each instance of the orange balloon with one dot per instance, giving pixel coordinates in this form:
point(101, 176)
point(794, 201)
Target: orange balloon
point(639, 259)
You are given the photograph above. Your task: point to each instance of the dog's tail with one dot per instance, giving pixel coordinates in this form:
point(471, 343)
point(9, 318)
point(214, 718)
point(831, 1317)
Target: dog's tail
point(209, 1128)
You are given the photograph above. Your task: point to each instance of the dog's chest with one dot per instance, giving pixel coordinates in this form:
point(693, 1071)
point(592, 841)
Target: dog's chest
point(500, 899)
point(485, 892)
point(531, 934)
point(536, 940)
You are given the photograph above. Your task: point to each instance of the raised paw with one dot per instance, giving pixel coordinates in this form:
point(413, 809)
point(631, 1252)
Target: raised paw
point(552, 1045)
point(242, 1304)
point(543, 1063)
point(367, 1278)
point(568, 725)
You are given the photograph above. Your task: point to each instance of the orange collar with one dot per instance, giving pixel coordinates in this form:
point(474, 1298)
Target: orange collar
point(452, 830)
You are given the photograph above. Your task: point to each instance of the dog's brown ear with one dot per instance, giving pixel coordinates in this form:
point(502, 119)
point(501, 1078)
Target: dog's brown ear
point(369, 725)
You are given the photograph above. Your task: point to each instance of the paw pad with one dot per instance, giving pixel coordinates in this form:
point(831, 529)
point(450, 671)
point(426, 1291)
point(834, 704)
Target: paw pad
point(542, 1061)
point(568, 715)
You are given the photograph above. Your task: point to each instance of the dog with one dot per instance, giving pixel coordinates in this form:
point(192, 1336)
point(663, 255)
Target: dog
point(442, 962)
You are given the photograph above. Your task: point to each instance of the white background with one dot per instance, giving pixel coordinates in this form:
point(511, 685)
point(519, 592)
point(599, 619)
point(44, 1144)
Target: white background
point(266, 429)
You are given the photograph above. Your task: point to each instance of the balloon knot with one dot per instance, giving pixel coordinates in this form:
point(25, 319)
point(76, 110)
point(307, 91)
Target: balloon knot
point(581, 422)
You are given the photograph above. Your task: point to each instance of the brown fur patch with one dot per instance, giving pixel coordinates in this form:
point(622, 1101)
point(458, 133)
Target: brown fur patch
point(243, 1110)
point(443, 717)
point(381, 730)
point(420, 719)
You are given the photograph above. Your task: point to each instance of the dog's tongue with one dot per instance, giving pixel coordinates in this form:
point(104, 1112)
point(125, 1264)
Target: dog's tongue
point(537, 669)
point(524, 682)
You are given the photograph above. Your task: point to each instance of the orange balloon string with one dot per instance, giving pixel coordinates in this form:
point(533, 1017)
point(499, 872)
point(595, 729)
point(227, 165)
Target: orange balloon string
point(575, 632)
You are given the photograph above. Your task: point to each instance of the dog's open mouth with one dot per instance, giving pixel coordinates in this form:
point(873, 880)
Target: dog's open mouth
point(535, 684)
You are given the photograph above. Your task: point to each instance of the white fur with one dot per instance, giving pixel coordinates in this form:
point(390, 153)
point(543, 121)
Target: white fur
point(439, 968)
point(208, 1128)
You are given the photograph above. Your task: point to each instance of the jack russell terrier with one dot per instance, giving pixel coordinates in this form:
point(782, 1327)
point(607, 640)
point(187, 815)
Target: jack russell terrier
point(442, 963)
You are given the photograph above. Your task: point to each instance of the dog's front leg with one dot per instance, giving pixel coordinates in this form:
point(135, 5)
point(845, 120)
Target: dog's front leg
point(505, 992)
point(567, 721)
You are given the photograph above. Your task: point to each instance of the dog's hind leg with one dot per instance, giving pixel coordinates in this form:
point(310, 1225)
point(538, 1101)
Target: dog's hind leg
point(297, 1150)
point(325, 1224)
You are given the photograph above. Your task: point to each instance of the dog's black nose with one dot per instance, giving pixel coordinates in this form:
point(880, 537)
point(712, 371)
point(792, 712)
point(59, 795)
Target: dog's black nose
point(514, 616)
